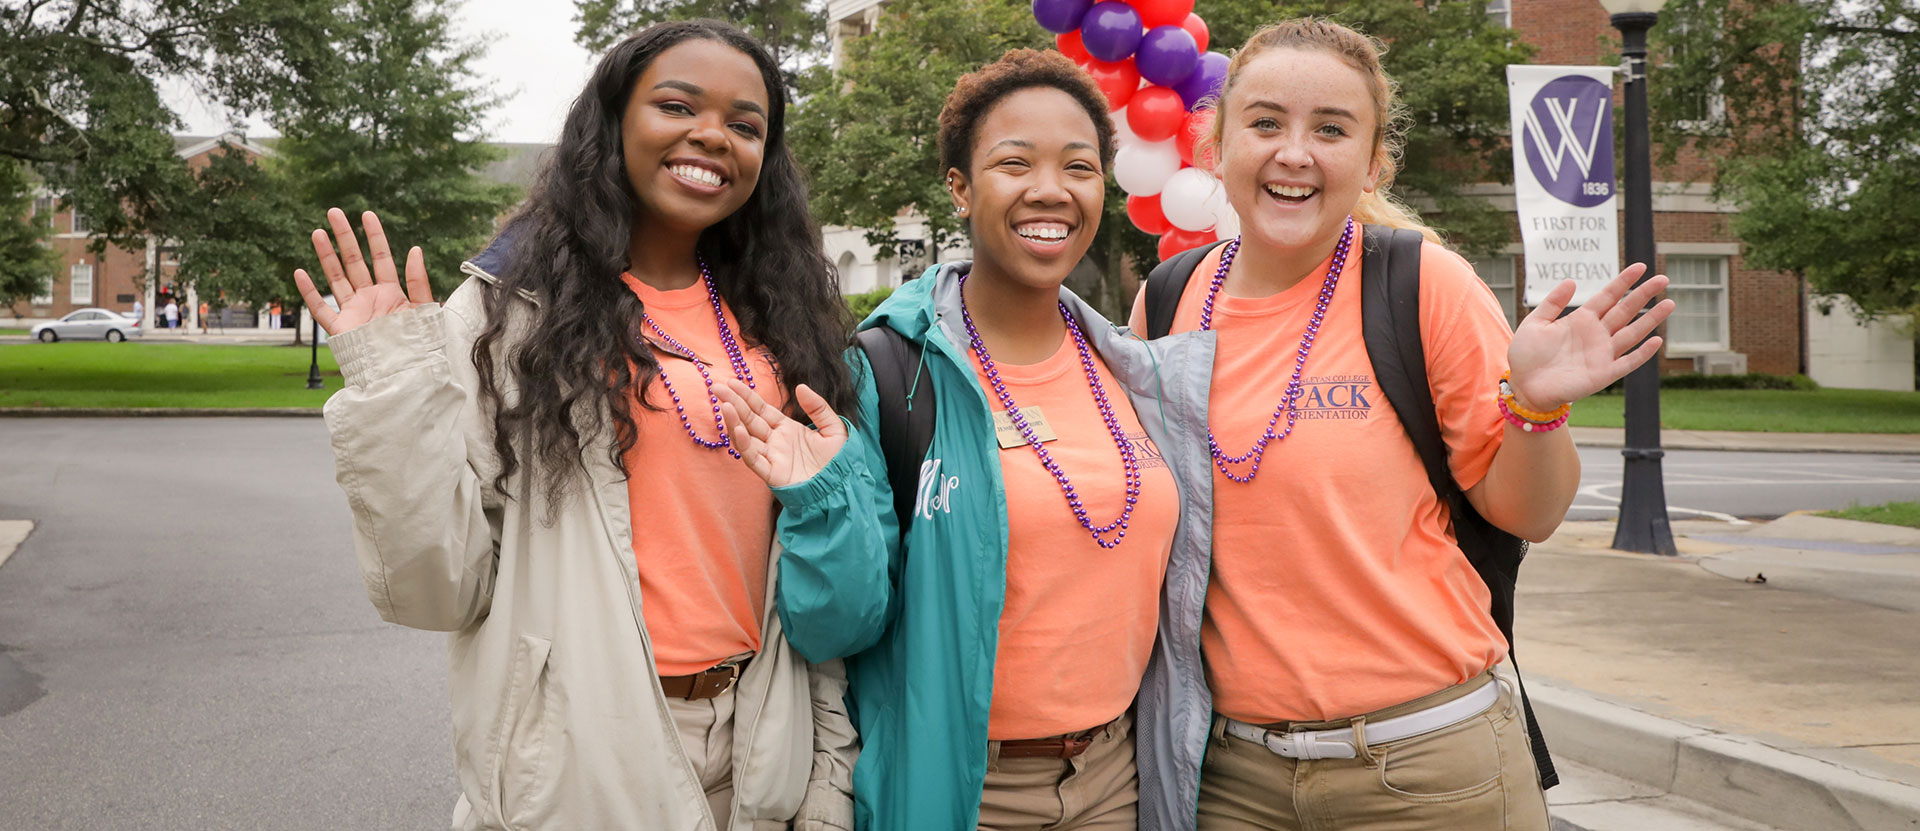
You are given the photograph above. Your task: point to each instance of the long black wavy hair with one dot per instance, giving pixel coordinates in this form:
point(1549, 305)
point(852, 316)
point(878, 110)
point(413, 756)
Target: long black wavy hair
point(578, 359)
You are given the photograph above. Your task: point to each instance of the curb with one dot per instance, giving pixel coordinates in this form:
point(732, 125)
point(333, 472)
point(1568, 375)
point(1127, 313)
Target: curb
point(158, 412)
point(1740, 442)
point(1735, 774)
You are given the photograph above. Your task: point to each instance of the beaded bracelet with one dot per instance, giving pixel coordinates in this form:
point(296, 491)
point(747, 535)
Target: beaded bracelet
point(1529, 425)
point(1506, 394)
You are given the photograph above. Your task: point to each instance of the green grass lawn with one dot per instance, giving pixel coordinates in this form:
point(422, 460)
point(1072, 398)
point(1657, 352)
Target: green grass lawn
point(71, 374)
point(1892, 513)
point(10, 330)
point(1775, 411)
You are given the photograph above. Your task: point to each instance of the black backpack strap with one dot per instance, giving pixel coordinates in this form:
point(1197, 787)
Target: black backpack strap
point(1165, 284)
point(1390, 315)
point(906, 406)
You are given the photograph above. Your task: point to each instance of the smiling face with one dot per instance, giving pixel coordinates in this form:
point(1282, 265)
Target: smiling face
point(1297, 147)
point(1036, 187)
point(694, 135)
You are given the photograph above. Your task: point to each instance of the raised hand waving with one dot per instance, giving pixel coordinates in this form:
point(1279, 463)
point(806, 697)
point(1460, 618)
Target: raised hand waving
point(363, 295)
point(1556, 360)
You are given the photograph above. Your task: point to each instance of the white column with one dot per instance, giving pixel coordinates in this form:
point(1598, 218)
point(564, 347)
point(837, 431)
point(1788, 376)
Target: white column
point(153, 286)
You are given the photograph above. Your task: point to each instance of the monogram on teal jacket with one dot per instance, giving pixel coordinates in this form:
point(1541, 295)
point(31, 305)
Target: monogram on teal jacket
point(919, 621)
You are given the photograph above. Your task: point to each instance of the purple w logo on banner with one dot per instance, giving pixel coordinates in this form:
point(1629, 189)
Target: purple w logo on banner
point(1568, 140)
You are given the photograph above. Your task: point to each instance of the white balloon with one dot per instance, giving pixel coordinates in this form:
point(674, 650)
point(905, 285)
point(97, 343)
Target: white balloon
point(1226, 222)
point(1191, 199)
point(1141, 168)
point(1122, 134)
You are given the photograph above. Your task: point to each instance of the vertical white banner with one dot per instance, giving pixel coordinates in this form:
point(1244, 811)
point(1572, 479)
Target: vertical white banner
point(1563, 176)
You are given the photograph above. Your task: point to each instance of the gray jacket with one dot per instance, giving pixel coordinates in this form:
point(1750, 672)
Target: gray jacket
point(558, 717)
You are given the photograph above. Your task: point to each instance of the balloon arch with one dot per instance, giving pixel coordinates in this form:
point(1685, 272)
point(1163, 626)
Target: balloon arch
point(1150, 58)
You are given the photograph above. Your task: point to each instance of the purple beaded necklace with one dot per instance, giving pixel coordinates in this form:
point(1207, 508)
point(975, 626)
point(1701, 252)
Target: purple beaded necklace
point(1117, 527)
point(735, 356)
point(1287, 402)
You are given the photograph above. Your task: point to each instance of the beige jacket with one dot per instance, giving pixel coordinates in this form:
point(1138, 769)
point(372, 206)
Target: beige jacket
point(558, 717)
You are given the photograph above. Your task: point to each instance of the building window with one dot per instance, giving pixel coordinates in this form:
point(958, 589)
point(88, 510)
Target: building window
point(1500, 12)
point(1498, 273)
point(80, 223)
point(1699, 292)
point(43, 208)
point(44, 297)
point(80, 287)
point(1701, 110)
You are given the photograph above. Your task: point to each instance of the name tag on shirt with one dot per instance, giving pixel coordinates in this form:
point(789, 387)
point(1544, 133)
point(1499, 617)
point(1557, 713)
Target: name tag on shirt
point(1009, 435)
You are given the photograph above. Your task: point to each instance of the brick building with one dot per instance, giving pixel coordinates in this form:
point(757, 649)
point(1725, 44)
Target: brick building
point(116, 278)
point(1729, 314)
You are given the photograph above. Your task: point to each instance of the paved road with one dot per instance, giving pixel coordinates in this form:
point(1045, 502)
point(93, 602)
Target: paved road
point(1707, 484)
point(184, 642)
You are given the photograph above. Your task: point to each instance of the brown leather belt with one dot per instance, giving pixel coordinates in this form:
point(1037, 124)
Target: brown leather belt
point(1058, 747)
point(707, 683)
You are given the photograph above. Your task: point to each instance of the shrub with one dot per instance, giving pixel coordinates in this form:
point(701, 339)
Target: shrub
point(864, 304)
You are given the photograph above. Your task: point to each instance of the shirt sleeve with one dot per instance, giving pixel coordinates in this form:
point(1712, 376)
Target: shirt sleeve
point(1465, 334)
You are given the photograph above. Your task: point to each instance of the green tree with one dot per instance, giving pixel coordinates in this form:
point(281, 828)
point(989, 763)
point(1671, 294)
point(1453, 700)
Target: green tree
point(79, 98)
point(866, 132)
point(792, 29)
point(239, 231)
point(1806, 113)
point(390, 131)
point(26, 262)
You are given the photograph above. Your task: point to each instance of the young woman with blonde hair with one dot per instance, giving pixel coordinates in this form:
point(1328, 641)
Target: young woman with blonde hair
point(1348, 642)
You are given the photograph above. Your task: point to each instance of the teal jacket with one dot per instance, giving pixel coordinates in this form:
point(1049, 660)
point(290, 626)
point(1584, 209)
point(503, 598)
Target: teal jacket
point(919, 622)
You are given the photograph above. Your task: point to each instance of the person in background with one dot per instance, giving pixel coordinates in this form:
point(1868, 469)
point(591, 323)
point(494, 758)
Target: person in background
point(172, 313)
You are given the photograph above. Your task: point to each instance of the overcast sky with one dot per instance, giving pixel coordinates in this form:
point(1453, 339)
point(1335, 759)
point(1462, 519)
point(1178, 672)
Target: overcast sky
point(532, 58)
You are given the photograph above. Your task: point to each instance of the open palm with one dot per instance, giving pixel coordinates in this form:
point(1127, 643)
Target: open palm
point(780, 450)
point(1557, 360)
point(362, 294)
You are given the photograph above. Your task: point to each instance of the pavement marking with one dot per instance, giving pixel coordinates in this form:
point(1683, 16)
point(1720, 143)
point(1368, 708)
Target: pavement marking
point(13, 532)
point(1593, 491)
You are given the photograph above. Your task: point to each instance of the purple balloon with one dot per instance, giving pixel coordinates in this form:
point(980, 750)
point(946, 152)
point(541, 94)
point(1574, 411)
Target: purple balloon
point(1060, 16)
point(1110, 30)
point(1205, 81)
point(1167, 55)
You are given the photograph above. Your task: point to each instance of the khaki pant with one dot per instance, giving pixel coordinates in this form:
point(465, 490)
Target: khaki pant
point(706, 731)
point(1477, 775)
point(1098, 790)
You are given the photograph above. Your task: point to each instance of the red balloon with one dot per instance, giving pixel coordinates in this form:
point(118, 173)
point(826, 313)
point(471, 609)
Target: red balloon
point(1146, 215)
point(1118, 80)
point(1156, 113)
point(1069, 45)
point(1195, 133)
point(1163, 13)
point(1194, 26)
point(1178, 240)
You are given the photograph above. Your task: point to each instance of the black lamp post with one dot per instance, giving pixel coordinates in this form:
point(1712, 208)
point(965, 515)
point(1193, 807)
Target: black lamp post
point(313, 369)
point(1643, 522)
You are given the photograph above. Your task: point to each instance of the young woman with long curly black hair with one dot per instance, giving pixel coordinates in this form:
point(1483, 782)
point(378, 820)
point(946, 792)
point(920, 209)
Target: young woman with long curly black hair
point(538, 466)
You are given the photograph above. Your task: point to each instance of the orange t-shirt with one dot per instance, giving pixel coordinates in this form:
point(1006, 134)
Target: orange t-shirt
point(702, 522)
point(1079, 620)
point(1336, 588)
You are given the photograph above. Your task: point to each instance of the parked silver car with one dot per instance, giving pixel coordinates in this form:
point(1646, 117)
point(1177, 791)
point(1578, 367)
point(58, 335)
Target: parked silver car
point(89, 324)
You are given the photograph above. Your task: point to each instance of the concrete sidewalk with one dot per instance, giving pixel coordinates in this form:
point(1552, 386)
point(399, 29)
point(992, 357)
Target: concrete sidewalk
point(1789, 704)
point(1774, 442)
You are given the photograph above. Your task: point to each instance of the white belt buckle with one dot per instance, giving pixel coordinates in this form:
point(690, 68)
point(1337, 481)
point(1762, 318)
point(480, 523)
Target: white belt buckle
point(1307, 746)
